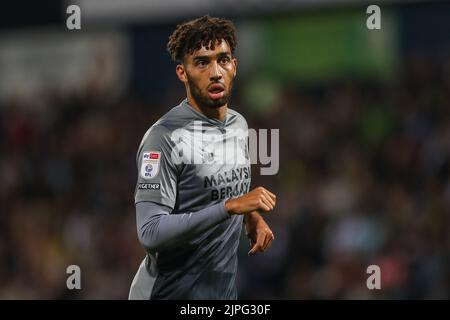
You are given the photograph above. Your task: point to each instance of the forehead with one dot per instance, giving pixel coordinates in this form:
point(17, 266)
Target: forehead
point(220, 47)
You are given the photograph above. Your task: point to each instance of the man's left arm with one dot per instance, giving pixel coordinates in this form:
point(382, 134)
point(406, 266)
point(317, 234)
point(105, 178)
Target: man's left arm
point(258, 232)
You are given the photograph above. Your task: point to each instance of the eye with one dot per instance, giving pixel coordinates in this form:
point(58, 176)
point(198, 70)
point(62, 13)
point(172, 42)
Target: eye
point(224, 60)
point(201, 63)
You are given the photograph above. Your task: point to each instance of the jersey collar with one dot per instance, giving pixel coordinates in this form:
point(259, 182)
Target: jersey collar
point(216, 122)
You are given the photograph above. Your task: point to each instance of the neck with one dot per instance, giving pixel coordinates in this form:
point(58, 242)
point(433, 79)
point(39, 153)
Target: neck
point(212, 113)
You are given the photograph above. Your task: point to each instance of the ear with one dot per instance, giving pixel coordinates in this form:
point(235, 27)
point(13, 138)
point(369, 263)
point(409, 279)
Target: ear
point(181, 73)
point(234, 60)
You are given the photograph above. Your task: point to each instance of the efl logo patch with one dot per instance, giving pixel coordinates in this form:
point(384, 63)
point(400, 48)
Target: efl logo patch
point(150, 164)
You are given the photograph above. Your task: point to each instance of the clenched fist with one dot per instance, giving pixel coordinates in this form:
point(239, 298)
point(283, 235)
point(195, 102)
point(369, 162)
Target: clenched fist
point(259, 199)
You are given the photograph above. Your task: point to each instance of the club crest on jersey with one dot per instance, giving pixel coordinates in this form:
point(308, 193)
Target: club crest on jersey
point(150, 164)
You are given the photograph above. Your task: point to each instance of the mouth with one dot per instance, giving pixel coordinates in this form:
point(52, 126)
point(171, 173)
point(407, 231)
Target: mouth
point(216, 91)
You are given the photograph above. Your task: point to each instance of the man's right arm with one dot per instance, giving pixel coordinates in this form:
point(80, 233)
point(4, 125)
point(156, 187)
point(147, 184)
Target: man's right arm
point(159, 230)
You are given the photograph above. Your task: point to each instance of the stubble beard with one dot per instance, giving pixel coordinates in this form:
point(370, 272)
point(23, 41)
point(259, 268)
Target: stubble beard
point(203, 100)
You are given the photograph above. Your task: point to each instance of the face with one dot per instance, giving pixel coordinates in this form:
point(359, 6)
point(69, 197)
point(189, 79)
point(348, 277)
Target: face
point(208, 75)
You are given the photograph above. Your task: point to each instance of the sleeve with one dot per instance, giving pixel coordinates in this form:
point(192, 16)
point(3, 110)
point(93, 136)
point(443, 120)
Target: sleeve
point(157, 170)
point(159, 230)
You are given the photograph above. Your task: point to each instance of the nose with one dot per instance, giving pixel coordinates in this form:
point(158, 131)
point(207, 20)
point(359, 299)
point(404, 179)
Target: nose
point(215, 74)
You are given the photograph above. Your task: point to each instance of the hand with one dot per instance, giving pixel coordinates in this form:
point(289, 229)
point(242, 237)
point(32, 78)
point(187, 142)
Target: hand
point(258, 232)
point(259, 199)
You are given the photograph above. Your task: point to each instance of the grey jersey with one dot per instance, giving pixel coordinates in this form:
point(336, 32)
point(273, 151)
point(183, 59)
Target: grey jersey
point(188, 162)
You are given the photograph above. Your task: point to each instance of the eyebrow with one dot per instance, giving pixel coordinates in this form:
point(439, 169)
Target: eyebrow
point(219, 55)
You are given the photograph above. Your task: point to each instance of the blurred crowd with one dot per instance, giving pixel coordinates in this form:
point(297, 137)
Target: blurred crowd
point(363, 180)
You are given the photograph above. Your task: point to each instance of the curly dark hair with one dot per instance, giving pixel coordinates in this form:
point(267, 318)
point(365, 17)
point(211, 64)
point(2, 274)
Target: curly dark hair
point(204, 31)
